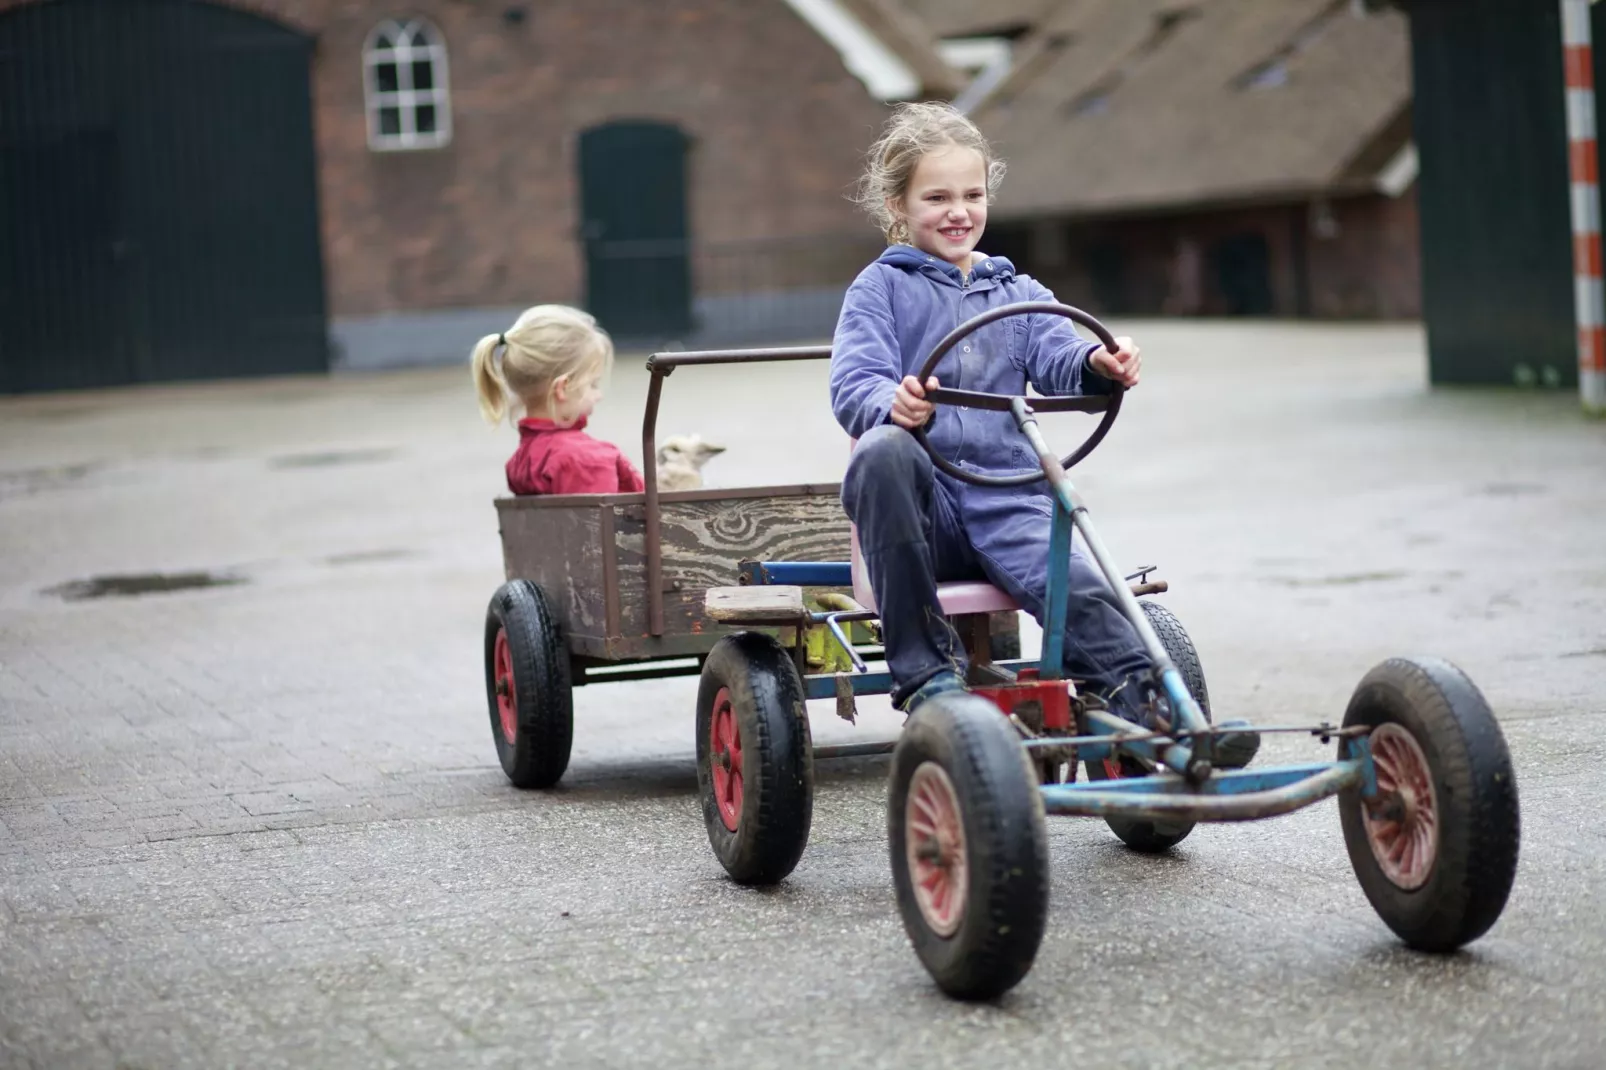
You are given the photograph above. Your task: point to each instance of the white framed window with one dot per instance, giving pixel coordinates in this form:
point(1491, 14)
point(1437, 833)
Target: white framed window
point(405, 86)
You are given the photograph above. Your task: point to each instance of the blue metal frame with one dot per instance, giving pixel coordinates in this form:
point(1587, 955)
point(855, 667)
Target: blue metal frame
point(798, 573)
point(1059, 565)
point(1183, 788)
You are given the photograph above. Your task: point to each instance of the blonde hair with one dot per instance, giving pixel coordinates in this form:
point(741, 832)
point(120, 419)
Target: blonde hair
point(912, 131)
point(545, 344)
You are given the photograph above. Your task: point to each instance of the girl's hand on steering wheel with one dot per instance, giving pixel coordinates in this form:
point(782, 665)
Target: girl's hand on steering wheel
point(1122, 365)
point(910, 409)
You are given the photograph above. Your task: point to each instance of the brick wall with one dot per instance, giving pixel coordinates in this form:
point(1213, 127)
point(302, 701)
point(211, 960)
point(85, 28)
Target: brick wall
point(776, 127)
point(1357, 258)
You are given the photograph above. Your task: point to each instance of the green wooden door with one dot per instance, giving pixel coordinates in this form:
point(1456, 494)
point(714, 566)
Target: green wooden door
point(158, 197)
point(633, 225)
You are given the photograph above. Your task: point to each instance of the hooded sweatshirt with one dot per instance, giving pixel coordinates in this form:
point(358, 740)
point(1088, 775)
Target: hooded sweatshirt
point(902, 305)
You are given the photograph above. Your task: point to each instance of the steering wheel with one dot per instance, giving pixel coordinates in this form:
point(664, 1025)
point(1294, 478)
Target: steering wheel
point(1108, 404)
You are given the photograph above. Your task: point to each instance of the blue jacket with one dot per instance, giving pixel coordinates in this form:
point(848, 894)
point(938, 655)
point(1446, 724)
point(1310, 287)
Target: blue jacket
point(901, 306)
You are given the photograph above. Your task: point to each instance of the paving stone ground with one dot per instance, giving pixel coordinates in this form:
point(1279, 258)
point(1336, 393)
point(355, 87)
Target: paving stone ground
point(261, 823)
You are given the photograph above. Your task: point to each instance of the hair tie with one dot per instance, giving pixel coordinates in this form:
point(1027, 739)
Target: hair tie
point(501, 339)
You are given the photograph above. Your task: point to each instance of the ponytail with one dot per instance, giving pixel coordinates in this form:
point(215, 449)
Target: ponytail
point(546, 343)
point(489, 382)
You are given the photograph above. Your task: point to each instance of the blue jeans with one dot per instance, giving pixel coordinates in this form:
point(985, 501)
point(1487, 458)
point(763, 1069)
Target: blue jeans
point(918, 527)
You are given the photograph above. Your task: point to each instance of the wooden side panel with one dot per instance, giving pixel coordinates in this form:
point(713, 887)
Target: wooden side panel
point(560, 549)
point(704, 540)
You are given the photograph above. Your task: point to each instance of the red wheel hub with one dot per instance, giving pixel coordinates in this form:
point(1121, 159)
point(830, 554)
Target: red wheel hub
point(1402, 823)
point(934, 848)
point(507, 698)
point(725, 759)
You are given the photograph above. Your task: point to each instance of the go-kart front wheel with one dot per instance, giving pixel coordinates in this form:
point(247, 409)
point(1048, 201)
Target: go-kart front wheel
point(755, 758)
point(1436, 850)
point(969, 846)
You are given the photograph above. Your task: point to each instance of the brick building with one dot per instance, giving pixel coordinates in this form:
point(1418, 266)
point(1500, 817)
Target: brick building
point(196, 188)
point(1199, 157)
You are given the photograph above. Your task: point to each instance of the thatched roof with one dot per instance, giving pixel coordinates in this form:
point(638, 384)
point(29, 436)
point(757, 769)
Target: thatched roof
point(1115, 106)
point(979, 18)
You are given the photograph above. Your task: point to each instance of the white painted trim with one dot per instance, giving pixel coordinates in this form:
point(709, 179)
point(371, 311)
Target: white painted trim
point(404, 98)
point(1585, 208)
point(1592, 389)
point(1590, 301)
point(1574, 22)
point(885, 75)
point(1580, 114)
point(1400, 172)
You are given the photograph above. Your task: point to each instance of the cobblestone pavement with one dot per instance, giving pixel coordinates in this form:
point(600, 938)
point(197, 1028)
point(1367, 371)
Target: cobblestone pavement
point(260, 823)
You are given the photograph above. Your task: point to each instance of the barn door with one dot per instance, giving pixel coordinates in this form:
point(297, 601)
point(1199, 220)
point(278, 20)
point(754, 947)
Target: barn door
point(633, 225)
point(158, 206)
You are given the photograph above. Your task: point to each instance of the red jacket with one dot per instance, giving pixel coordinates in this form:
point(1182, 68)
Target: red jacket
point(565, 460)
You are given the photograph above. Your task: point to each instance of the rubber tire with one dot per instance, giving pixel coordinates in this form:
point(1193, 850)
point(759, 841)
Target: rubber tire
point(777, 758)
point(1146, 834)
point(1479, 823)
point(540, 752)
point(1006, 838)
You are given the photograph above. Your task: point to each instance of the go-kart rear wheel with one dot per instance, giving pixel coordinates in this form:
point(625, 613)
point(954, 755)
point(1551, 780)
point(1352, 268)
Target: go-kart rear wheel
point(969, 846)
point(755, 758)
point(1436, 851)
point(1146, 834)
point(527, 684)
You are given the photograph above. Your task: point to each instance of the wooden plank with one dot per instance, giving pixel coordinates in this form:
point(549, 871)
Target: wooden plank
point(703, 541)
point(773, 604)
point(706, 494)
point(560, 550)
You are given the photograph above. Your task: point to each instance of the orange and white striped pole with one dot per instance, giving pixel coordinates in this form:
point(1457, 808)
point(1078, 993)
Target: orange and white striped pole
point(1590, 299)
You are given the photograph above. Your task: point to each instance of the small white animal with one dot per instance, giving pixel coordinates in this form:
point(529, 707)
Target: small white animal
point(681, 459)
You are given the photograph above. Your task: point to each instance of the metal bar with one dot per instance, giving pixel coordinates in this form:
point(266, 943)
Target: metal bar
point(823, 685)
point(1178, 757)
point(669, 361)
point(1221, 782)
point(863, 683)
point(1289, 729)
point(649, 465)
point(853, 750)
point(591, 675)
point(843, 614)
point(1164, 802)
point(831, 622)
point(610, 573)
point(973, 399)
point(806, 573)
point(1059, 567)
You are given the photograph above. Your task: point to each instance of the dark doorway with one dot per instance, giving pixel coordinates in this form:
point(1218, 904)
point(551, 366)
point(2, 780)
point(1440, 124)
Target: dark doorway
point(633, 213)
point(158, 199)
point(1240, 267)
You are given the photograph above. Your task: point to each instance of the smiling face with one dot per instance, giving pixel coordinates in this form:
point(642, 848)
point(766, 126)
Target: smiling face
point(945, 205)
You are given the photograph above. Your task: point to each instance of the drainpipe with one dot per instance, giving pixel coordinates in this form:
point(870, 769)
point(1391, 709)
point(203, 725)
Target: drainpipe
point(1589, 300)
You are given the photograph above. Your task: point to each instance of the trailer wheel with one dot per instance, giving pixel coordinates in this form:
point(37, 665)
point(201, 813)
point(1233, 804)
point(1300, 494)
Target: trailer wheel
point(527, 685)
point(1436, 850)
point(755, 758)
point(969, 846)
